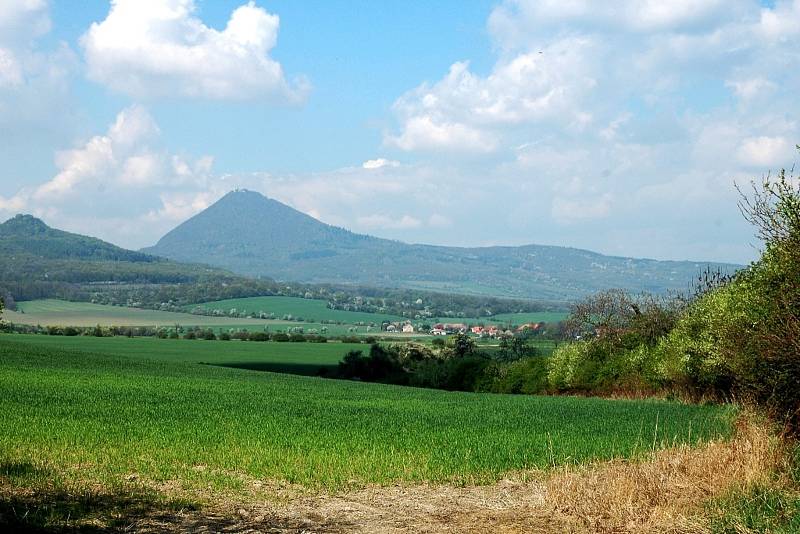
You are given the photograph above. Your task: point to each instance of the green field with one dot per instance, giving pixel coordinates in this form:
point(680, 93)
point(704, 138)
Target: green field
point(294, 358)
point(506, 318)
point(102, 409)
point(53, 312)
point(64, 313)
point(316, 310)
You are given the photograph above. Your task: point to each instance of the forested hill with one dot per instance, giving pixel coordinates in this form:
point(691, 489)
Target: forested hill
point(250, 234)
point(37, 261)
point(25, 234)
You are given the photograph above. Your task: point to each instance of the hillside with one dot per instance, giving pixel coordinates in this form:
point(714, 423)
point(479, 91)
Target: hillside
point(25, 234)
point(36, 260)
point(250, 234)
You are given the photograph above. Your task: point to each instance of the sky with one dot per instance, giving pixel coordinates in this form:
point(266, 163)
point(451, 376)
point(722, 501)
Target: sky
point(620, 127)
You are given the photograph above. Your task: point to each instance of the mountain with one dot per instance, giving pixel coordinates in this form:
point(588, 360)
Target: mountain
point(33, 255)
point(253, 235)
point(25, 234)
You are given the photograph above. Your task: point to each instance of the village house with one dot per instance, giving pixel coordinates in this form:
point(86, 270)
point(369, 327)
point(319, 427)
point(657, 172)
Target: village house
point(408, 328)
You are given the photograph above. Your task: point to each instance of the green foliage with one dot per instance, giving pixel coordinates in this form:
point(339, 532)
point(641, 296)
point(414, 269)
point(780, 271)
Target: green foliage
point(116, 406)
point(527, 376)
point(760, 508)
point(516, 348)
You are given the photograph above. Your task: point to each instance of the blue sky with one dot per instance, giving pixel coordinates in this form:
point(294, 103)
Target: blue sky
point(620, 129)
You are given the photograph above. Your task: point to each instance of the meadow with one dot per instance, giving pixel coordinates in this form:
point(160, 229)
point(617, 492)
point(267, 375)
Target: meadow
point(108, 410)
point(65, 313)
point(54, 312)
point(507, 318)
point(307, 309)
point(293, 358)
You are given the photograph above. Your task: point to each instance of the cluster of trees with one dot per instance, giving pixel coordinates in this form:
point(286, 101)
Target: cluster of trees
point(737, 336)
point(456, 364)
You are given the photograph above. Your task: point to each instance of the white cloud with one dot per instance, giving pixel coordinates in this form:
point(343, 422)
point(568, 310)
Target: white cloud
point(766, 152)
point(385, 222)
point(379, 163)
point(10, 69)
point(751, 88)
point(23, 20)
point(160, 48)
point(131, 186)
point(423, 133)
point(462, 110)
point(781, 22)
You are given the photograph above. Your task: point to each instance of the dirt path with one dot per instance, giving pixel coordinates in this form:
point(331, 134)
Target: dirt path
point(664, 493)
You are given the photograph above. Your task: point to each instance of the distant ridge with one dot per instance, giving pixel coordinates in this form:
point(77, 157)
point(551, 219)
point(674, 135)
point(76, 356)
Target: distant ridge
point(34, 257)
point(253, 235)
point(25, 234)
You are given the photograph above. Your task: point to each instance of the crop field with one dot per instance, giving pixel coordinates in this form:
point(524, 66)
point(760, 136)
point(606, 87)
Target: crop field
point(293, 358)
point(63, 313)
point(316, 310)
point(507, 318)
point(104, 410)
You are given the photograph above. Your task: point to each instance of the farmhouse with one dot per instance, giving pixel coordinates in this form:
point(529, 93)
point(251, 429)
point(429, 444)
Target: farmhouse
point(408, 328)
point(455, 328)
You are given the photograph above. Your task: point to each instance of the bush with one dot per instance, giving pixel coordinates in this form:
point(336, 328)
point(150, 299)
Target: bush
point(526, 376)
point(209, 335)
point(224, 336)
point(279, 337)
point(71, 331)
point(260, 336)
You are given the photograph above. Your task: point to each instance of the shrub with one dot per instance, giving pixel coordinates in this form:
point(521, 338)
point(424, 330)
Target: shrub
point(209, 335)
point(261, 336)
point(244, 335)
point(71, 331)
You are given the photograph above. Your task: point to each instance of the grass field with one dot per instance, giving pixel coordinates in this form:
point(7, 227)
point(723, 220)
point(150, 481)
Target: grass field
point(294, 358)
point(297, 307)
point(64, 313)
point(507, 318)
point(103, 410)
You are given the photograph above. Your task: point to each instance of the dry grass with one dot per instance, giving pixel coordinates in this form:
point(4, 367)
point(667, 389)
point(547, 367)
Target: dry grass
point(666, 492)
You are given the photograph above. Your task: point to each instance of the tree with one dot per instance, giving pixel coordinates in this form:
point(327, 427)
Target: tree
point(516, 348)
point(462, 346)
point(771, 346)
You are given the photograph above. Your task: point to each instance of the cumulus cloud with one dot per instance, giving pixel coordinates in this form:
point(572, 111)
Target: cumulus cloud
point(766, 152)
point(463, 110)
point(23, 20)
point(381, 221)
point(379, 163)
point(122, 177)
point(597, 116)
point(160, 48)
